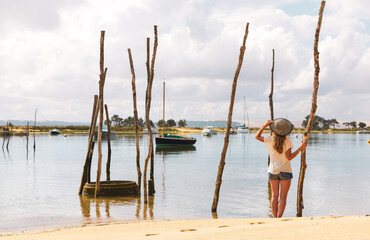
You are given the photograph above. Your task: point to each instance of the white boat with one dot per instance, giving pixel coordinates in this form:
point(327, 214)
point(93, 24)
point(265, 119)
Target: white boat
point(362, 132)
point(104, 135)
point(54, 131)
point(208, 131)
point(154, 131)
point(244, 129)
point(233, 131)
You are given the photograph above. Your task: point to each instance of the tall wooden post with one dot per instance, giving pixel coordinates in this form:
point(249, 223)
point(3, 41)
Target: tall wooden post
point(103, 73)
point(229, 119)
point(109, 145)
point(27, 135)
point(136, 120)
point(151, 180)
point(148, 98)
point(271, 94)
point(34, 129)
point(86, 169)
point(312, 113)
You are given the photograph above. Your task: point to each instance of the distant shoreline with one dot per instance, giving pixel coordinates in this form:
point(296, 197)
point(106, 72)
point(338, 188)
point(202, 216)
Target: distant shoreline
point(21, 130)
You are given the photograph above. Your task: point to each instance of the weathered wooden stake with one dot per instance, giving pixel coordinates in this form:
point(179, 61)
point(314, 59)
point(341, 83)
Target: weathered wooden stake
point(271, 94)
point(151, 180)
point(148, 97)
point(229, 119)
point(27, 135)
point(34, 129)
point(312, 114)
point(86, 169)
point(103, 74)
point(109, 145)
point(136, 120)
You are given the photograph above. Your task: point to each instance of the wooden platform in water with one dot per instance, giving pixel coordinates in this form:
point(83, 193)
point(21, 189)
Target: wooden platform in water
point(113, 188)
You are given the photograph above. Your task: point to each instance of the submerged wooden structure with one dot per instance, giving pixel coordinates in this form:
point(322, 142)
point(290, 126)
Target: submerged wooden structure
point(102, 188)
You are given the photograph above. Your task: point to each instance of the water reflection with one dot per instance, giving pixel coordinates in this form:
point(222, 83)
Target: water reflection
point(174, 150)
point(105, 207)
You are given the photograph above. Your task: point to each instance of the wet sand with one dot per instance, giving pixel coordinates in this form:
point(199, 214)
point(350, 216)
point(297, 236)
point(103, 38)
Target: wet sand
point(330, 227)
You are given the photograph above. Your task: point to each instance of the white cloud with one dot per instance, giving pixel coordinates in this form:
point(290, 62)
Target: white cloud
point(50, 58)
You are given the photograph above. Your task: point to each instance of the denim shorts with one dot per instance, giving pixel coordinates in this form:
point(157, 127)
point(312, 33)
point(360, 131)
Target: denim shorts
point(281, 176)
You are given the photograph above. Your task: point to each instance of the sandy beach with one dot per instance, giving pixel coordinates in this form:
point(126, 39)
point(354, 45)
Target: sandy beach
point(330, 227)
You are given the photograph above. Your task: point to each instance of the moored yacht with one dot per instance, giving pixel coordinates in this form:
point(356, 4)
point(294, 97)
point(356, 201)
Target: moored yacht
point(208, 131)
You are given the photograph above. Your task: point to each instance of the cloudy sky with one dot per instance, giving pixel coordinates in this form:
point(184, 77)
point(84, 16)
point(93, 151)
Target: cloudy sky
point(49, 57)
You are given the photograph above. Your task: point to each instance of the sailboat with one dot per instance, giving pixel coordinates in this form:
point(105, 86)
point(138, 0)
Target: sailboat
point(244, 129)
point(172, 140)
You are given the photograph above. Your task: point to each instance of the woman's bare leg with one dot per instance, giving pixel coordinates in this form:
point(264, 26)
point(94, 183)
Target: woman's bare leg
point(284, 188)
point(275, 196)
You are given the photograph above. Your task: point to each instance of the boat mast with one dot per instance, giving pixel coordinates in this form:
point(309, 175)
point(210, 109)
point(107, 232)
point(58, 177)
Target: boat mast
point(244, 113)
point(163, 108)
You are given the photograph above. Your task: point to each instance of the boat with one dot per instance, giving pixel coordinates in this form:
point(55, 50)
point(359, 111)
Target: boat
point(244, 128)
point(208, 131)
point(168, 139)
point(233, 131)
point(154, 131)
point(172, 140)
point(104, 134)
point(362, 132)
point(54, 131)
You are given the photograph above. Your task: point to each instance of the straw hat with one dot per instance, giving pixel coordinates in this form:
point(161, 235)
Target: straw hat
point(281, 126)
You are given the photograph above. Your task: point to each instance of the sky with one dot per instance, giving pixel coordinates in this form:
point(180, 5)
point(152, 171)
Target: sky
point(49, 58)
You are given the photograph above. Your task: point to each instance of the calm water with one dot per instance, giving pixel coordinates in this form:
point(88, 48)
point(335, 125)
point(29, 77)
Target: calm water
point(39, 189)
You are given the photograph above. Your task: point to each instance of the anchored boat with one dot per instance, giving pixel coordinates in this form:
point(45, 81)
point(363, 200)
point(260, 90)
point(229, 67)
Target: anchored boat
point(167, 139)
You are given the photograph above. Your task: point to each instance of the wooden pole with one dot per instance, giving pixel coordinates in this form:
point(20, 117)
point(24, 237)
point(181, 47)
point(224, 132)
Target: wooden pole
point(271, 95)
point(94, 115)
point(272, 86)
point(155, 46)
point(147, 119)
point(101, 103)
point(34, 129)
point(312, 113)
point(229, 119)
point(27, 136)
point(136, 120)
point(150, 71)
point(109, 145)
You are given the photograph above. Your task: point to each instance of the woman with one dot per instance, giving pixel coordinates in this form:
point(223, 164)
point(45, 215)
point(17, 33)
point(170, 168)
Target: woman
point(279, 147)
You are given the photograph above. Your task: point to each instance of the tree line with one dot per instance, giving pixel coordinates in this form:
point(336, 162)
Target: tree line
point(321, 123)
point(116, 120)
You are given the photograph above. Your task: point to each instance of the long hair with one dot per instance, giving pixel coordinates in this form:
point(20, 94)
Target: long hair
point(279, 143)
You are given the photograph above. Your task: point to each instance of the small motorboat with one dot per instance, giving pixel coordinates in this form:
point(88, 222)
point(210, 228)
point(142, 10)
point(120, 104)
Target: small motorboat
point(154, 131)
point(104, 135)
point(208, 131)
point(54, 131)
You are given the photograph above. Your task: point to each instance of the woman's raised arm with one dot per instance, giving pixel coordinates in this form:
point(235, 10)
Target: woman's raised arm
point(259, 133)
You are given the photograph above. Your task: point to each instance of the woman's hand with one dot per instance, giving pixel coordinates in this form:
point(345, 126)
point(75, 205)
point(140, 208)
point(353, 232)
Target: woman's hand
point(258, 135)
point(267, 123)
point(303, 145)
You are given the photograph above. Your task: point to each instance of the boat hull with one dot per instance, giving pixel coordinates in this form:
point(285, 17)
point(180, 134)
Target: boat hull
point(104, 135)
point(174, 141)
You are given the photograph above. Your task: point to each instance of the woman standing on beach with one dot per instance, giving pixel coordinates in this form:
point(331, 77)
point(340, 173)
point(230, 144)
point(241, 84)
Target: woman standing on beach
point(279, 147)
